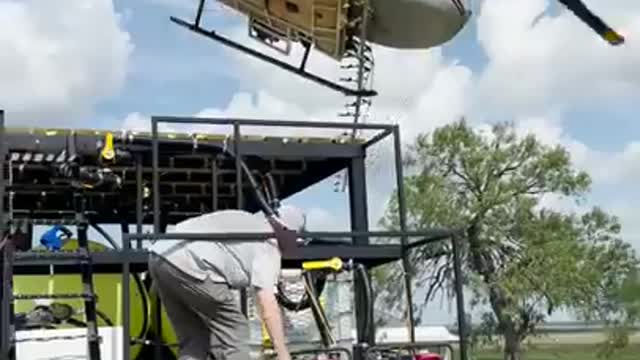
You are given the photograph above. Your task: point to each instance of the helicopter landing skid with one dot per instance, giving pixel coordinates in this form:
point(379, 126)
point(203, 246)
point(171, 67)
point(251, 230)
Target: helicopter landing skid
point(300, 71)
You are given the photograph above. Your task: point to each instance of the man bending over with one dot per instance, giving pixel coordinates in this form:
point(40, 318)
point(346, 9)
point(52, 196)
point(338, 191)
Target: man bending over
point(196, 282)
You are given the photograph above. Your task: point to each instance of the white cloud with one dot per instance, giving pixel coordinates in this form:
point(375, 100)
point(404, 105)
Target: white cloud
point(181, 4)
point(400, 77)
point(319, 219)
point(187, 9)
point(534, 74)
point(538, 66)
point(534, 62)
point(555, 61)
point(630, 220)
point(243, 105)
point(605, 168)
point(136, 122)
point(59, 61)
point(415, 83)
point(616, 172)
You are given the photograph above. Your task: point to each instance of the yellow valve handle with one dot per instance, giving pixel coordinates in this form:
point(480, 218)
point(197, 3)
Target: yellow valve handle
point(334, 264)
point(108, 153)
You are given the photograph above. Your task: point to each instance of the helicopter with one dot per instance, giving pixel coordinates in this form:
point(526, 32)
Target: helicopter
point(342, 29)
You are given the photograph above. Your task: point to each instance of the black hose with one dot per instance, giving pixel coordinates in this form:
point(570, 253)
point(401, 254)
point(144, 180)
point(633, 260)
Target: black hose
point(273, 189)
point(318, 313)
point(136, 279)
point(268, 210)
point(267, 193)
point(317, 280)
point(368, 324)
point(81, 323)
point(105, 235)
point(104, 317)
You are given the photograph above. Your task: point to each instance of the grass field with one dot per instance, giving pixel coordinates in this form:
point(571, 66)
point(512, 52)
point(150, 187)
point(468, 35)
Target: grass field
point(561, 352)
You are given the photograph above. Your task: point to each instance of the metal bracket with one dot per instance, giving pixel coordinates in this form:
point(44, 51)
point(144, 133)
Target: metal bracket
point(263, 34)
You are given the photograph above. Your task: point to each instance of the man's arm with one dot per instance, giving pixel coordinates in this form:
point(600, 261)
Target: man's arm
point(270, 313)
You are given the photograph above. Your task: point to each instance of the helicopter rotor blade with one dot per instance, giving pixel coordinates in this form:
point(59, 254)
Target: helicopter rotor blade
point(593, 21)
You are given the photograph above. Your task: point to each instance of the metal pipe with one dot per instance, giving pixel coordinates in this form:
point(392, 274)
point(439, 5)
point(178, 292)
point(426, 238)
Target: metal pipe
point(156, 228)
point(139, 198)
point(377, 138)
point(270, 122)
point(157, 336)
point(258, 236)
point(238, 163)
point(6, 288)
point(126, 304)
point(358, 206)
point(2, 183)
point(305, 56)
point(457, 269)
point(8, 348)
point(193, 170)
point(214, 183)
point(410, 346)
point(446, 234)
point(199, 13)
point(244, 301)
point(86, 272)
point(403, 228)
point(156, 180)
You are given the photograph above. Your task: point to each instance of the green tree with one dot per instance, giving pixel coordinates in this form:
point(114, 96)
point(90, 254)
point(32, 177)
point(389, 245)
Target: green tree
point(621, 313)
point(522, 260)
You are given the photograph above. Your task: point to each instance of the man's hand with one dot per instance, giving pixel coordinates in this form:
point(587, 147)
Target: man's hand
point(270, 314)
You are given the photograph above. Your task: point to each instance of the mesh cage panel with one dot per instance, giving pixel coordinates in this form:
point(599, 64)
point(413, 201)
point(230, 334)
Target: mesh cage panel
point(300, 326)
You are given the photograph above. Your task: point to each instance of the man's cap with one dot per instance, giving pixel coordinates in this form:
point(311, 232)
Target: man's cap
point(286, 226)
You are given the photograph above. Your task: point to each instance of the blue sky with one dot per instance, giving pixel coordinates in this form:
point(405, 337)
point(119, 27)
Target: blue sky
point(550, 75)
point(162, 76)
point(605, 128)
point(175, 72)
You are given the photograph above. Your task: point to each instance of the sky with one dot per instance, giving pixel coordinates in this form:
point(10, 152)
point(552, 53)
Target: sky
point(112, 64)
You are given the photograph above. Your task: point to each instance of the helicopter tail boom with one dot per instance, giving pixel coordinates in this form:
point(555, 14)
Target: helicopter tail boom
point(593, 21)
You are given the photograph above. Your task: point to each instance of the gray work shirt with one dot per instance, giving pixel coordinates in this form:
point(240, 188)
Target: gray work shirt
point(241, 264)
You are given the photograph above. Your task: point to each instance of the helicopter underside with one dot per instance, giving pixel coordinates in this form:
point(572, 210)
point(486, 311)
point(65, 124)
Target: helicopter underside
point(330, 25)
point(340, 29)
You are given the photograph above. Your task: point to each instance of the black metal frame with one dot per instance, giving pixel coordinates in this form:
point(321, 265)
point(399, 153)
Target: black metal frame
point(129, 259)
point(300, 71)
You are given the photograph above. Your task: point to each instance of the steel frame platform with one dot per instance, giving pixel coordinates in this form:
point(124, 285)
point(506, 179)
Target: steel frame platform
point(132, 258)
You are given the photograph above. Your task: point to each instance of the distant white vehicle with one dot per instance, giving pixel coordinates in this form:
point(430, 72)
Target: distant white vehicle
point(436, 335)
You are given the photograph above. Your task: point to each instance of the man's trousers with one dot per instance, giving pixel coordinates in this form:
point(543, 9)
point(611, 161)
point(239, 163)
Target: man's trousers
point(205, 315)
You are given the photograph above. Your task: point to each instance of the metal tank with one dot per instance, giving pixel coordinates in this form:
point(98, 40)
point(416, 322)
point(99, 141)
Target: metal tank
point(108, 288)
